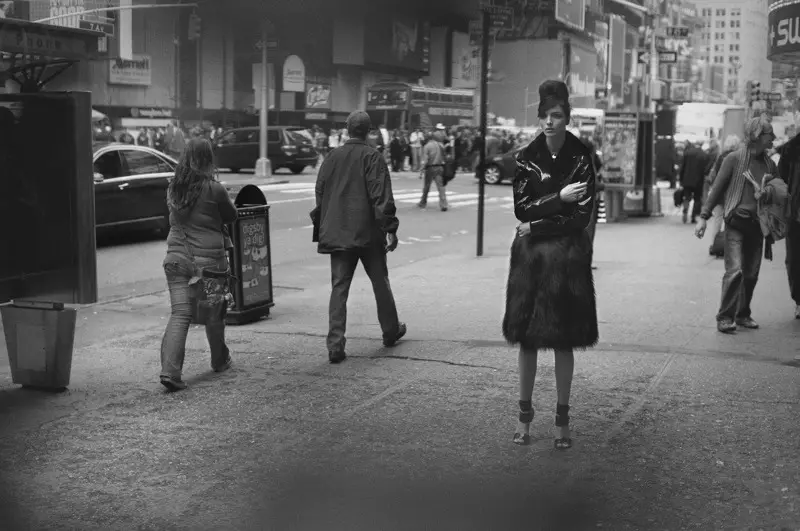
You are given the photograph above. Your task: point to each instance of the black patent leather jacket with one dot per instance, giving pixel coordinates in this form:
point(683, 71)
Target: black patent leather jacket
point(538, 182)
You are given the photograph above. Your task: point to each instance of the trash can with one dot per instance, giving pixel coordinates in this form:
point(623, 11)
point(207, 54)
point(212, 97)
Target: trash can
point(39, 337)
point(251, 258)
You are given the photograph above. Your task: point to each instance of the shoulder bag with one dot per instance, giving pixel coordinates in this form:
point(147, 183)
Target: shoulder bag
point(209, 289)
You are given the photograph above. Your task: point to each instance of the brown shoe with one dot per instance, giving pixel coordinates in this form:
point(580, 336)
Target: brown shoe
point(173, 384)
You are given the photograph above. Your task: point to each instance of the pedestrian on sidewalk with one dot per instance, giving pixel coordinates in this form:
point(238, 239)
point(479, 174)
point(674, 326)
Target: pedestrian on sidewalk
point(355, 219)
point(789, 171)
point(693, 170)
point(433, 159)
point(199, 206)
point(174, 140)
point(732, 143)
point(416, 139)
point(550, 296)
point(737, 187)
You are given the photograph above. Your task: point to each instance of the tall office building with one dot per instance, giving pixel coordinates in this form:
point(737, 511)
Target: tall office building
point(735, 36)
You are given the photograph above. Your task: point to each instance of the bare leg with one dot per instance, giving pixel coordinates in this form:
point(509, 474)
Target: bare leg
point(565, 366)
point(528, 359)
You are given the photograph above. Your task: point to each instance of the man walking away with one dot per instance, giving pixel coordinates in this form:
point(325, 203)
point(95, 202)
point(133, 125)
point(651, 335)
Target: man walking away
point(175, 140)
point(355, 219)
point(789, 171)
point(433, 170)
point(693, 171)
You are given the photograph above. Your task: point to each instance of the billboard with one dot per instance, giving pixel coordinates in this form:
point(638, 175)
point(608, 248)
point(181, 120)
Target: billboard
point(784, 22)
point(616, 56)
point(466, 67)
point(401, 41)
point(582, 78)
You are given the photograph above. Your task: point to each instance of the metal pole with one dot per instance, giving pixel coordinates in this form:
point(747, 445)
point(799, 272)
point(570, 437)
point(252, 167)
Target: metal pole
point(526, 106)
point(263, 168)
point(199, 58)
point(483, 105)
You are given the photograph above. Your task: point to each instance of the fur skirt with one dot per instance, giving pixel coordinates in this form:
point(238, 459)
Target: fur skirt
point(550, 296)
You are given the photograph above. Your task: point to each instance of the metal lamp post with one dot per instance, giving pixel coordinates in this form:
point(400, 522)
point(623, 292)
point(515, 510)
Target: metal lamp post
point(263, 166)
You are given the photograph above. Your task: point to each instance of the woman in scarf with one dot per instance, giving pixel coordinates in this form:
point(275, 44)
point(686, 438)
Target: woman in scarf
point(199, 207)
point(550, 299)
point(737, 187)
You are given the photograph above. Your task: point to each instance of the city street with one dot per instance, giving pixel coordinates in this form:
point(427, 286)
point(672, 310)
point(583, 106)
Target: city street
point(675, 425)
point(130, 264)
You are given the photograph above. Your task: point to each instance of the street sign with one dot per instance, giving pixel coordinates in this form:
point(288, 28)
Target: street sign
point(677, 32)
point(643, 56)
point(501, 16)
point(667, 57)
point(600, 93)
point(774, 96)
point(101, 27)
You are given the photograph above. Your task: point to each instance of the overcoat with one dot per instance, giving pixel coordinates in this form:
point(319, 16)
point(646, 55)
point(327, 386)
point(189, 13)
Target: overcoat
point(550, 295)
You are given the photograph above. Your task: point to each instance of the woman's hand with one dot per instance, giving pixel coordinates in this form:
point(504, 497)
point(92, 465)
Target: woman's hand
point(572, 193)
point(523, 229)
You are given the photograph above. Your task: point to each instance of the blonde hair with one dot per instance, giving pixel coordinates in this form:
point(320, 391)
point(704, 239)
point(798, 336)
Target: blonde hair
point(755, 127)
point(731, 142)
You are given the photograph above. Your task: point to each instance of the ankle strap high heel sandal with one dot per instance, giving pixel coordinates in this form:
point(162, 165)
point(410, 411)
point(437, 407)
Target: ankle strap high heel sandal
point(562, 419)
point(526, 417)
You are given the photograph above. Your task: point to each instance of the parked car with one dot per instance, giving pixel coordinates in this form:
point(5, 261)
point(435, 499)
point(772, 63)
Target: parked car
point(286, 148)
point(130, 187)
point(501, 167)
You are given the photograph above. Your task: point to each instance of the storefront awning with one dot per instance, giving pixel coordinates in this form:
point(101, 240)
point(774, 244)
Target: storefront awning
point(20, 37)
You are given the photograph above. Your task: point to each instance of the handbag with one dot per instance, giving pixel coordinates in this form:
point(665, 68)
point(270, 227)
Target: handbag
point(209, 290)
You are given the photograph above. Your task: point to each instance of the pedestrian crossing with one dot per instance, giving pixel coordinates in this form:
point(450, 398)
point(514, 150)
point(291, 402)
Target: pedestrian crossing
point(295, 192)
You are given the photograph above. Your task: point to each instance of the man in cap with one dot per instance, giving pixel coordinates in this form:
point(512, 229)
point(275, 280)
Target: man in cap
point(355, 222)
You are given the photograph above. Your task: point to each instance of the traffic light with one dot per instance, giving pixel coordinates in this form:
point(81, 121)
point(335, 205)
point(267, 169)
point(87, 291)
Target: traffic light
point(194, 27)
point(753, 91)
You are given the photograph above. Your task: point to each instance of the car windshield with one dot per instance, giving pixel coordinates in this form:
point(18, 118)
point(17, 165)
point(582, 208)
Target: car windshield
point(300, 135)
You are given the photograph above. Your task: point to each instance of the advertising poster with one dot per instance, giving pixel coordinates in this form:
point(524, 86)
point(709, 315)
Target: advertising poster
point(318, 96)
point(619, 148)
point(256, 285)
point(401, 41)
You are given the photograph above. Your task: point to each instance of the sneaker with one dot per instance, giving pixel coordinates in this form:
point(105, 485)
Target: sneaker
point(225, 366)
point(726, 326)
point(173, 384)
point(336, 357)
point(747, 322)
point(401, 331)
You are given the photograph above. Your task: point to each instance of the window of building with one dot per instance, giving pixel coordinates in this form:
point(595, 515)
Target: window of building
point(736, 12)
point(719, 59)
point(720, 12)
point(733, 48)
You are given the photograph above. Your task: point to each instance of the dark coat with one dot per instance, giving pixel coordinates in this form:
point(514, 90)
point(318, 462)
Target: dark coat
point(789, 171)
point(693, 168)
point(355, 206)
point(550, 297)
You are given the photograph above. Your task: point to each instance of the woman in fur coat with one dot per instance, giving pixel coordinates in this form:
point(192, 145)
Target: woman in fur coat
point(550, 298)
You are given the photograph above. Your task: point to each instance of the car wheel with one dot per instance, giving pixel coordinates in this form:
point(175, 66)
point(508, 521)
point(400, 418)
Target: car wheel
point(493, 175)
point(297, 169)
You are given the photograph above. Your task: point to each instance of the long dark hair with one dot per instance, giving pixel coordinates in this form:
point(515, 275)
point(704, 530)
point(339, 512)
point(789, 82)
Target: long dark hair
point(195, 170)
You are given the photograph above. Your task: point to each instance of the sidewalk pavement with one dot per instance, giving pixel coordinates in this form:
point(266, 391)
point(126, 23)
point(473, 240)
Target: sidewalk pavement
point(675, 426)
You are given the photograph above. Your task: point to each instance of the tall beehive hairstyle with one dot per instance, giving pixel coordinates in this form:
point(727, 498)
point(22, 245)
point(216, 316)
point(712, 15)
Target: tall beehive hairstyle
point(552, 93)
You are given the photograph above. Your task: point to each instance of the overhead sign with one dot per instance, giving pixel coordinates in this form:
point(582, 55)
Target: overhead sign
point(571, 12)
point(644, 57)
point(680, 92)
point(501, 16)
point(783, 44)
point(678, 32)
point(101, 27)
point(38, 39)
point(774, 96)
point(294, 74)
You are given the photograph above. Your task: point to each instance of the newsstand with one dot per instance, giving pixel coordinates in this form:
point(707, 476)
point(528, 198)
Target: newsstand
point(250, 258)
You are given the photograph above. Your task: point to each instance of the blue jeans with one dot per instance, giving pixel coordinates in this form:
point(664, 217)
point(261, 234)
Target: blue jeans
point(742, 265)
point(173, 345)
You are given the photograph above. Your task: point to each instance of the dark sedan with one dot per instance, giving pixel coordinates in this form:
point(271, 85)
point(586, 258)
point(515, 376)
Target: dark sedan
point(501, 167)
point(286, 148)
point(130, 187)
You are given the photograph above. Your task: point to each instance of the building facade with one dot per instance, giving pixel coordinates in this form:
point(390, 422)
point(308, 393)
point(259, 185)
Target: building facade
point(735, 36)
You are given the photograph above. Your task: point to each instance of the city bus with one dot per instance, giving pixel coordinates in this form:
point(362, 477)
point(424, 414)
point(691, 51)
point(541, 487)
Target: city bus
point(403, 105)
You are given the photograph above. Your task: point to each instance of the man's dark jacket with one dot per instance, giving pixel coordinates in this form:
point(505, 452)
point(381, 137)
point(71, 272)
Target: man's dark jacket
point(693, 169)
point(789, 171)
point(355, 206)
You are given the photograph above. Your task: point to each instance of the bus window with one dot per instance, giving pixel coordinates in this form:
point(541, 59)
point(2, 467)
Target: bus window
point(433, 96)
point(446, 98)
point(418, 95)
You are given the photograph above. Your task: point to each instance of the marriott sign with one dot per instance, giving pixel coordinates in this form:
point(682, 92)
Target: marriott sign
point(784, 32)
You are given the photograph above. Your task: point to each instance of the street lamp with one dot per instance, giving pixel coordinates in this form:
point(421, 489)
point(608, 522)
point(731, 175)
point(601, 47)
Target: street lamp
point(527, 105)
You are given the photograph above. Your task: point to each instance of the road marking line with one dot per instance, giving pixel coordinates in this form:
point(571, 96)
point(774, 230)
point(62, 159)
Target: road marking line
point(281, 201)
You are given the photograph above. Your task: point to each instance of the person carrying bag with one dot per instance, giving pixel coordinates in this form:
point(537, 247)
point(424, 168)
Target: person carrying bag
point(196, 265)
